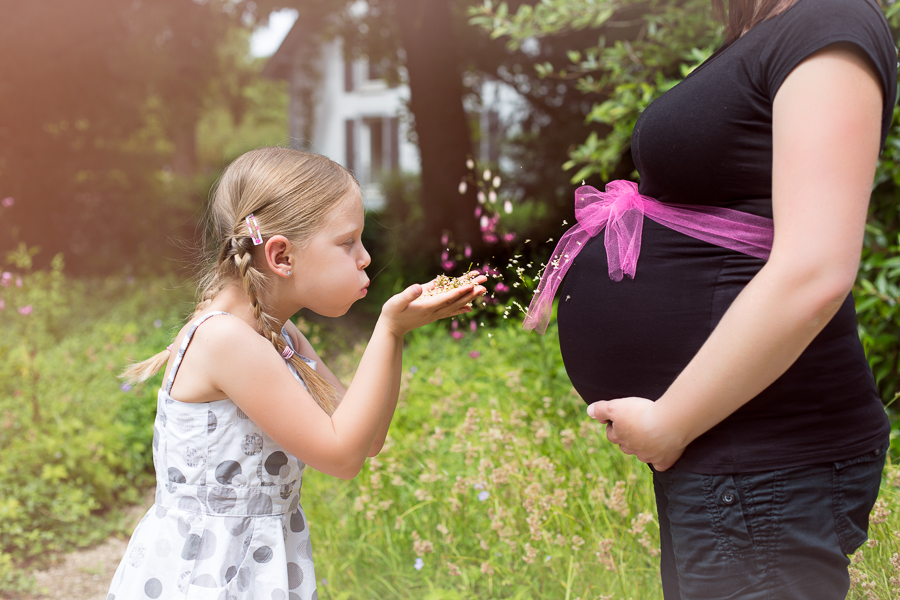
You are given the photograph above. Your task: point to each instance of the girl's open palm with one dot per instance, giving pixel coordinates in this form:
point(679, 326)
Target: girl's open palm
point(411, 308)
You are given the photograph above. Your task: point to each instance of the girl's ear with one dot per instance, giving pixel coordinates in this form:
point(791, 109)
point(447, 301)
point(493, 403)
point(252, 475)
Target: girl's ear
point(278, 255)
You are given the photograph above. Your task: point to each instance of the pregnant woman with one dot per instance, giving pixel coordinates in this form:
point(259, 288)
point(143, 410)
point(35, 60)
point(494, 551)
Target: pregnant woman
point(728, 359)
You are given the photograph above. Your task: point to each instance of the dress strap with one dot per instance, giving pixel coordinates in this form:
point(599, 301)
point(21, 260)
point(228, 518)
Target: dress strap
point(184, 345)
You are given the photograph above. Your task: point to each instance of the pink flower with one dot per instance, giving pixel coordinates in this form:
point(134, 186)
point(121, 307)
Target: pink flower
point(501, 288)
point(18, 282)
point(477, 211)
point(445, 255)
point(474, 354)
point(468, 251)
point(457, 335)
point(489, 238)
point(447, 265)
point(7, 202)
point(444, 239)
point(2, 304)
point(5, 278)
point(454, 324)
point(25, 310)
point(508, 237)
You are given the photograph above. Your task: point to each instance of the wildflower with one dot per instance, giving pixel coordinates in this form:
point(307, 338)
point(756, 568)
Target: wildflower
point(125, 387)
point(501, 288)
point(157, 323)
point(462, 187)
point(490, 238)
point(577, 542)
point(880, 513)
point(470, 164)
point(457, 335)
point(477, 211)
point(419, 564)
point(487, 174)
point(454, 570)
point(508, 237)
point(474, 354)
point(492, 197)
point(7, 202)
point(507, 207)
point(6, 278)
point(487, 569)
point(25, 310)
point(496, 181)
point(547, 558)
point(481, 198)
point(448, 265)
point(530, 554)
point(18, 282)
point(413, 369)
point(482, 496)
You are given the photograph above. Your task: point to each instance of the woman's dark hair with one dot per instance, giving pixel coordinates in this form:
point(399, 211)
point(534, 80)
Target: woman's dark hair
point(742, 15)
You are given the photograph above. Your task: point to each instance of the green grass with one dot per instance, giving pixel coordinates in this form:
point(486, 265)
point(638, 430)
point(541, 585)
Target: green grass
point(565, 514)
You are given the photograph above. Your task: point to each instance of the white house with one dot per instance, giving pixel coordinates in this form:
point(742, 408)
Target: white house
point(347, 111)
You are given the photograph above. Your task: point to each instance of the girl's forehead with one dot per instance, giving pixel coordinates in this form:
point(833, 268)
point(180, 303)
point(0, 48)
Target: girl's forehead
point(347, 212)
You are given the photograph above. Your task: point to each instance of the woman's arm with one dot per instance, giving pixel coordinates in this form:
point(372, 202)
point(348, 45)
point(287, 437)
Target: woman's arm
point(826, 135)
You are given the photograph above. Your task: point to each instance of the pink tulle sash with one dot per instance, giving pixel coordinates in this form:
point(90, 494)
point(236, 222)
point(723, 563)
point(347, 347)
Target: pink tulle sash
point(621, 210)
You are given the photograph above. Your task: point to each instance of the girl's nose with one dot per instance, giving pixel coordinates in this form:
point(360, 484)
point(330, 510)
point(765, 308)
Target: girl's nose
point(364, 260)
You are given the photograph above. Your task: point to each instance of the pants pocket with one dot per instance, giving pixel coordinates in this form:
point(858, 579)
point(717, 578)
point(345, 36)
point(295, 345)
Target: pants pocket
point(856, 482)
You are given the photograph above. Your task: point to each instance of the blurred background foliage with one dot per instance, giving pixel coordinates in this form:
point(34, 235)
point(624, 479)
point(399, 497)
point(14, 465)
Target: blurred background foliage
point(117, 116)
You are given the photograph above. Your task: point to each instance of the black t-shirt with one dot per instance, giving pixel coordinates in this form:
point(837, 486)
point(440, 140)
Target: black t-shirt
point(708, 141)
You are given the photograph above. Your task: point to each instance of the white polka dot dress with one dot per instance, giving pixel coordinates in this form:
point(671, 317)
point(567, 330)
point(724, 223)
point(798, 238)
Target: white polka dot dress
point(227, 522)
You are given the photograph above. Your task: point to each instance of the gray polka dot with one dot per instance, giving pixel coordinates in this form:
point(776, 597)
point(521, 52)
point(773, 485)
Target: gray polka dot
point(191, 547)
point(163, 547)
point(221, 499)
point(136, 556)
point(240, 481)
point(194, 457)
point(252, 444)
point(184, 528)
point(305, 550)
point(244, 577)
point(110, 597)
point(285, 490)
point(236, 525)
point(298, 523)
point(295, 575)
point(279, 595)
point(153, 588)
point(275, 461)
point(284, 471)
point(155, 438)
point(315, 595)
point(295, 502)
point(161, 511)
point(185, 422)
point(263, 554)
point(259, 504)
point(226, 471)
point(189, 504)
point(163, 417)
point(176, 476)
point(230, 572)
point(207, 545)
point(211, 422)
point(293, 596)
point(206, 580)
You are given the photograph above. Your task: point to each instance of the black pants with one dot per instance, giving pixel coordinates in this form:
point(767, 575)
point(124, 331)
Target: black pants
point(763, 536)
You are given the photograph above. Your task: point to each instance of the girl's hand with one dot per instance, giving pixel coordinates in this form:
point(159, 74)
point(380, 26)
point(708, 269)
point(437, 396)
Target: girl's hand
point(411, 309)
point(635, 424)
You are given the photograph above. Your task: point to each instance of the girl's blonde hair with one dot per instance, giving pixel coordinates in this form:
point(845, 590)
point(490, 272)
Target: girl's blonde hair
point(290, 193)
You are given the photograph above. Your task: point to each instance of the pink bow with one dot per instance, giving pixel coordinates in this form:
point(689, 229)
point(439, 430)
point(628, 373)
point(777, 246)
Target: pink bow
point(621, 210)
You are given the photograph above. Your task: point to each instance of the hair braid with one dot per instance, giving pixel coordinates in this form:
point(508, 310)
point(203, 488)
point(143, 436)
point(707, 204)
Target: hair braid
point(319, 388)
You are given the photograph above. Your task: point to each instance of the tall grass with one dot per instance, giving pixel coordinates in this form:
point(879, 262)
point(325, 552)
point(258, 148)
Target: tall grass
point(495, 484)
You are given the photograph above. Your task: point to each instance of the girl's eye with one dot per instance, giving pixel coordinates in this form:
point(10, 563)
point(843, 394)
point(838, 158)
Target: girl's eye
point(349, 242)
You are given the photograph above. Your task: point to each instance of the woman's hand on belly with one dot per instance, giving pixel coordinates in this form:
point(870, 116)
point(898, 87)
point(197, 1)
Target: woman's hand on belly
point(635, 425)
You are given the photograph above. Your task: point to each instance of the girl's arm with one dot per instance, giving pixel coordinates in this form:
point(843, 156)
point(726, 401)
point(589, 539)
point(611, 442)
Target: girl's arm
point(247, 369)
point(306, 349)
point(826, 133)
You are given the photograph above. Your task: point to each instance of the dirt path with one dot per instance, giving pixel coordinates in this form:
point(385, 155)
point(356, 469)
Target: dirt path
point(86, 574)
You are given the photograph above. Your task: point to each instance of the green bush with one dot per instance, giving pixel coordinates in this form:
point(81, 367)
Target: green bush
point(75, 442)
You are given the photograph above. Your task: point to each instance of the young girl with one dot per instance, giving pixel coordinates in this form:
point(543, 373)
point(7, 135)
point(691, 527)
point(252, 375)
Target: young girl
point(246, 403)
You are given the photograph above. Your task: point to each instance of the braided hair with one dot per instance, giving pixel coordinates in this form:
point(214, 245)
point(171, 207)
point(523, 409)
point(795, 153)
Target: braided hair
point(290, 193)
